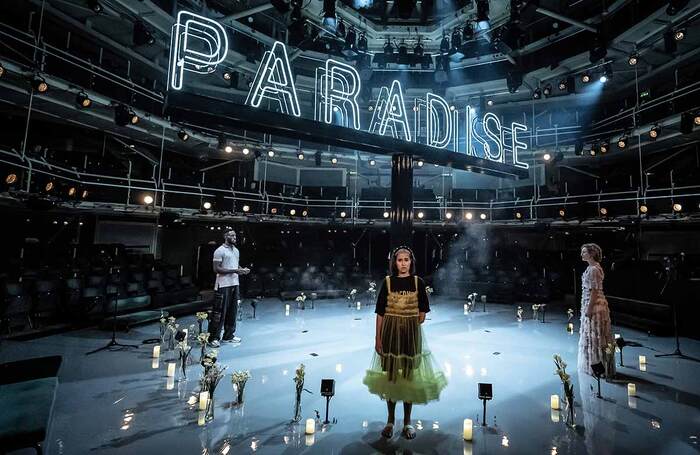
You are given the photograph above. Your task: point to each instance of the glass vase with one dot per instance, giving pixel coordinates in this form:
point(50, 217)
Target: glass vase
point(297, 405)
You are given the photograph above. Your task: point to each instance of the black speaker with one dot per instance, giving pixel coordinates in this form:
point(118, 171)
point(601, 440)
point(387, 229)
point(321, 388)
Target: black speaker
point(327, 387)
point(485, 391)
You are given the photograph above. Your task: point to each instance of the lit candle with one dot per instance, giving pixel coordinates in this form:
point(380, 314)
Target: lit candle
point(155, 363)
point(617, 335)
point(170, 384)
point(642, 360)
point(632, 389)
point(171, 369)
point(203, 400)
point(554, 415)
point(467, 429)
point(570, 327)
point(286, 309)
point(156, 351)
point(359, 305)
point(466, 308)
point(554, 401)
point(310, 426)
point(201, 418)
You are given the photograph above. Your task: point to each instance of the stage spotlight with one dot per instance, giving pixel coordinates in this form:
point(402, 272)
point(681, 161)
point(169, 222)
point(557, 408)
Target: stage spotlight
point(343, 214)
point(444, 44)
point(11, 178)
point(603, 79)
point(372, 162)
point(245, 151)
point(586, 77)
point(469, 215)
point(677, 208)
point(2, 70)
point(95, 6)
point(490, 103)
point(39, 84)
point(420, 163)
point(562, 213)
point(482, 216)
point(514, 79)
point(227, 75)
point(643, 209)
point(273, 210)
point(593, 151)
point(206, 205)
point(304, 212)
point(83, 100)
point(448, 215)
point(300, 155)
point(388, 48)
point(562, 85)
point(547, 157)
point(547, 90)
point(362, 42)
point(537, 94)
point(49, 186)
point(679, 34)
point(696, 119)
point(84, 194)
point(421, 215)
point(633, 59)
point(182, 134)
point(518, 215)
point(271, 153)
point(654, 132)
point(604, 147)
point(622, 142)
point(124, 116)
point(334, 160)
point(228, 148)
point(603, 212)
point(246, 208)
point(72, 191)
point(293, 212)
point(385, 214)
point(148, 199)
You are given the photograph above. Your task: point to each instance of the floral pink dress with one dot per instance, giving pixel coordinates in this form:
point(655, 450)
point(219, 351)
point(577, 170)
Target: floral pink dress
point(596, 331)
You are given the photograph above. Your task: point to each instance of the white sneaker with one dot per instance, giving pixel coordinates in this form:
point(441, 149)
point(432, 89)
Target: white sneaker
point(236, 339)
point(214, 344)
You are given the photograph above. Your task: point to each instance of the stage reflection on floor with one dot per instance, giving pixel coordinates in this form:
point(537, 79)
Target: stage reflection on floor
point(123, 402)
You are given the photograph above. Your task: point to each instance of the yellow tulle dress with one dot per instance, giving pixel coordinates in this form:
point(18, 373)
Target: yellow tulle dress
point(406, 370)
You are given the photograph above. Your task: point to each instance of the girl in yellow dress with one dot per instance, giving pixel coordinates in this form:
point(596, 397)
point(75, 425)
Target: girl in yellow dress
point(402, 367)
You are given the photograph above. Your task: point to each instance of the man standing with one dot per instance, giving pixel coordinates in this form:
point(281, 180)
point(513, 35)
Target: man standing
point(226, 290)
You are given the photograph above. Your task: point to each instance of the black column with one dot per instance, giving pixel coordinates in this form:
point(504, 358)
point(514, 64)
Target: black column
point(401, 200)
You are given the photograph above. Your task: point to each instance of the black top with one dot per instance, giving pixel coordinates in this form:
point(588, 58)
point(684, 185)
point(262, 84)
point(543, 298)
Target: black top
point(399, 284)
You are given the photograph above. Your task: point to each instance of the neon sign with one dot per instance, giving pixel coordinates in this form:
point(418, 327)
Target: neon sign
point(199, 44)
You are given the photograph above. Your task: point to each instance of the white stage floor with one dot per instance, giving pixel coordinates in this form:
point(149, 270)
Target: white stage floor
point(334, 341)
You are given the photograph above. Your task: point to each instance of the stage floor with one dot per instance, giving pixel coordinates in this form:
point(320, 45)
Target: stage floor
point(98, 393)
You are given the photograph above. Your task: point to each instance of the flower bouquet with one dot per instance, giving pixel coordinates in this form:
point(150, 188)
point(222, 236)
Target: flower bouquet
point(239, 379)
point(203, 339)
point(172, 330)
point(201, 317)
point(184, 351)
point(163, 327)
point(570, 314)
point(535, 311)
point(210, 379)
point(299, 382)
point(352, 296)
point(568, 387)
point(300, 300)
point(471, 301)
point(519, 313)
point(372, 290)
point(609, 359)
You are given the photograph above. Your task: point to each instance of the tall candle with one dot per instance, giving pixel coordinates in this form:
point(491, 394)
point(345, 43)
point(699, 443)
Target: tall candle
point(467, 429)
point(632, 389)
point(286, 309)
point(310, 426)
point(359, 305)
point(203, 400)
point(554, 401)
point(642, 360)
point(171, 369)
point(570, 327)
point(156, 351)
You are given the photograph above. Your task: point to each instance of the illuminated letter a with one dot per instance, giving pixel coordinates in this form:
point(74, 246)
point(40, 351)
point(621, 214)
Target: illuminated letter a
point(274, 81)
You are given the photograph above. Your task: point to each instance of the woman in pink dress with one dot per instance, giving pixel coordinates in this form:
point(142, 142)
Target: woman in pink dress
point(596, 330)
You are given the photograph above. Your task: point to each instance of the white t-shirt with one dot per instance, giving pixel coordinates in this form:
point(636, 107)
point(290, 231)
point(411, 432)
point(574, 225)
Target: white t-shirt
point(228, 257)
